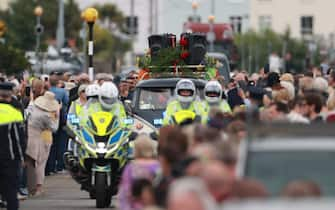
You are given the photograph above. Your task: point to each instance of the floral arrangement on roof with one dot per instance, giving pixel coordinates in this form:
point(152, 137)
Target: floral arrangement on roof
point(168, 56)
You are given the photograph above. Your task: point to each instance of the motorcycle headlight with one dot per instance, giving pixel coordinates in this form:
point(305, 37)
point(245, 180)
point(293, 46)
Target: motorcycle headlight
point(101, 145)
point(101, 148)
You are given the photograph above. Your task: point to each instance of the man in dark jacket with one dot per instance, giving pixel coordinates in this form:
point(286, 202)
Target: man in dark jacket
point(13, 145)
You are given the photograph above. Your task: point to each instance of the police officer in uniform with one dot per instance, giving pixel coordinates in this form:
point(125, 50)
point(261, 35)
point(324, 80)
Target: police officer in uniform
point(13, 145)
point(185, 101)
point(213, 98)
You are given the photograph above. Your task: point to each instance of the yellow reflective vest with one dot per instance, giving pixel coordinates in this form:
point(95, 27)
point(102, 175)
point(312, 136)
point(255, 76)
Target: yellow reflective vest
point(223, 106)
point(174, 107)
point(9, 114)
point(12, 139)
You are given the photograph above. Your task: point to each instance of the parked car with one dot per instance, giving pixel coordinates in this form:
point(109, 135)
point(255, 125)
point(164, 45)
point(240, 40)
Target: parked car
point(281, 204)
point(276, 155)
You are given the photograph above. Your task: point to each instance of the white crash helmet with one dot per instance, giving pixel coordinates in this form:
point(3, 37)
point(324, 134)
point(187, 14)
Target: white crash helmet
point(92, 90)
point(185, 84)
point(213, 87)
point(108, 95)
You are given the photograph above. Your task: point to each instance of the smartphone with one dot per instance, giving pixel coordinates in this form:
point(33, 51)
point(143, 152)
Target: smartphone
point(27, 91)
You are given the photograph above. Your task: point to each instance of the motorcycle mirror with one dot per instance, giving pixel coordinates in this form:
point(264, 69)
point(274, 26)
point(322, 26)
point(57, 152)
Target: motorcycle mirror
point(133, 136)
point(154, 136)
point(127, 104)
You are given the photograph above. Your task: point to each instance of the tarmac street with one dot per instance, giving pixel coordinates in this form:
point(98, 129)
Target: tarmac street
point(61, 193)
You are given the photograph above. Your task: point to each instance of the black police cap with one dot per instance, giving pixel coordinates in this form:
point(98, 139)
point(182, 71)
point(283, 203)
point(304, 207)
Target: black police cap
point(6, 86)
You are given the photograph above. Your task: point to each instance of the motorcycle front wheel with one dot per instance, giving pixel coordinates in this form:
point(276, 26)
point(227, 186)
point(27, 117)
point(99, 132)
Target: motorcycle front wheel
point(103, 198)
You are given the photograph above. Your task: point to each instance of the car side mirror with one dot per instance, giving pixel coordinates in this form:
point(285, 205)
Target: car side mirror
point(127, 104)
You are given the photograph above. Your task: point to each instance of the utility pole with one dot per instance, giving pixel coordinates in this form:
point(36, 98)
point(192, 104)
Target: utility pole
point(60, 27)
point(83, 35)
point(151, 17)
point(156, 17)
point(132, 28)
point(213, 7)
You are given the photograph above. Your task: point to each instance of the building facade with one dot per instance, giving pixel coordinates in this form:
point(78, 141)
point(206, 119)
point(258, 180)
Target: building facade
point(175, 13)
point(305, 18)
point(4, 4)
point(170, 16)
point(141, 10)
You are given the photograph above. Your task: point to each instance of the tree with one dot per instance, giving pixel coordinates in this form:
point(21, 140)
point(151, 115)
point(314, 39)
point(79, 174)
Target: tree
point(21, 19)
point(109, 47)
point(110, 13)
point(255, 49)
point(12, 60)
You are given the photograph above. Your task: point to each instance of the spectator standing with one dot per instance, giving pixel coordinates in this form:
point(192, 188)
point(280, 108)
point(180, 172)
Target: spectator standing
point(42, 121)
point(143, 167)
point(297, 111)
point(218, 180)
point(313, 107)
point(55, 162)
point(13, 143)
point(189, 193)
point(172, 149)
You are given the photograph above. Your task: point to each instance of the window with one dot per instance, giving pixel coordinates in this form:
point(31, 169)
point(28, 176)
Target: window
point(154, 99)
point(265, 22)
point(275, 169)
point(236, 23)
point(307, 24)
point(236, 1)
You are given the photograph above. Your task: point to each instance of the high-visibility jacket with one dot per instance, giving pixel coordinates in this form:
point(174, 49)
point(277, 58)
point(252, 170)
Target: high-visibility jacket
point(74, 113)
point(222, 106)
point(117, 110)
point(76, 107)
point(174, 106)
point(12, 141)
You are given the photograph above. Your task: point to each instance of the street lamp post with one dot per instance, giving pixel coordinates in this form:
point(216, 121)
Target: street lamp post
point(90, 15)
point(38, 11)
point(196, 17)
point(83, 35)
point(211, 34)
point(60, 36)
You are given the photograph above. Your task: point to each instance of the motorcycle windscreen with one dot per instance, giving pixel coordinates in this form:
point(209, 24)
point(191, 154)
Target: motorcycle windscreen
point(103, 123)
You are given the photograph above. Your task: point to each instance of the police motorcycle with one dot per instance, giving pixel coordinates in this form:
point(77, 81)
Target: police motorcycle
point(97, 154)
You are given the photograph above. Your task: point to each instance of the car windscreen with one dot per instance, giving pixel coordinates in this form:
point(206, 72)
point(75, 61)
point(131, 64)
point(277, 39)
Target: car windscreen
point(275, 169)
point(154, 98)
point(158, 98)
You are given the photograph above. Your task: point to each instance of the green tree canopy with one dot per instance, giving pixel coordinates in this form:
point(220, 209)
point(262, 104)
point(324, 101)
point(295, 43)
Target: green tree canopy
point(12, 60)
point(108, 46)
point(255, 49)
point(21, 21)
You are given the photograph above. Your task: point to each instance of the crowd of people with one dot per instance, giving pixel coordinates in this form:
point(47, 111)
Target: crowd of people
point(193, 166)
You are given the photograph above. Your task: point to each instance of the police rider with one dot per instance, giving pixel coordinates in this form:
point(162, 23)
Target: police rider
point(213, 98)
point(77, 105)
point(92, 105)
point(185, 101)
point(108, 100)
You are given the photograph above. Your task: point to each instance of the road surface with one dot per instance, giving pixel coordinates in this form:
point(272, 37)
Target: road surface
point(61, 193)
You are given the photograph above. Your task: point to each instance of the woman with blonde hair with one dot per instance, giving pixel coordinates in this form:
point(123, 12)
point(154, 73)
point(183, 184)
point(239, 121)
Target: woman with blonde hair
point(42, 121)
point(145, 166)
